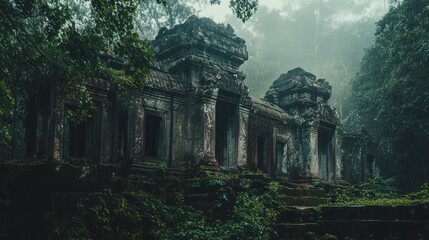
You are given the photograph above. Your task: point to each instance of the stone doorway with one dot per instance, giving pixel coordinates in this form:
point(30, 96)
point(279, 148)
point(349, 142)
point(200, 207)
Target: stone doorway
point(153, 136)
point(261, 154)
point(226, 128)
point(282, 158)
point(326, 152)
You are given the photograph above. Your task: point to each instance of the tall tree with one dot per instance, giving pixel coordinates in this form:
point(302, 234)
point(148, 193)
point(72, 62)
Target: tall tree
point(63, 43)
point(391, 90)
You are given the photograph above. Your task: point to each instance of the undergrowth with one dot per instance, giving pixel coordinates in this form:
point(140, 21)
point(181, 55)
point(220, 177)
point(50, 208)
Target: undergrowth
point(162, 213)
point(378, 192)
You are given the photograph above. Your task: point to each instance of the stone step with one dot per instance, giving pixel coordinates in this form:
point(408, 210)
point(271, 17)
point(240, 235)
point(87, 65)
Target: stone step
point(303, 200)
point(20, 236)
point(377, 229)
point(294, 185)
point(294, 230)
point(291, 214)
point(415, 212)
point(31, 225)
point(35, 186)
point(316, 192)
point(13, 223)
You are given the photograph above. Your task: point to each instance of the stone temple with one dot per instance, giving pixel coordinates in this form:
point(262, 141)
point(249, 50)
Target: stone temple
point(196, 109)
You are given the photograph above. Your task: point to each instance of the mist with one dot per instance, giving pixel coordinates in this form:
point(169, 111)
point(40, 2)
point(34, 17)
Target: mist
point(326, 38)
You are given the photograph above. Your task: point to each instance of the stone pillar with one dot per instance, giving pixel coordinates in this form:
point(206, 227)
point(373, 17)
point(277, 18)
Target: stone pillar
point(314, 162)
point(243, 138)
point(310, 161)
point(208, 118)
point(136, 128)
point(58, 129)
point(107, 116)
point(338, 154)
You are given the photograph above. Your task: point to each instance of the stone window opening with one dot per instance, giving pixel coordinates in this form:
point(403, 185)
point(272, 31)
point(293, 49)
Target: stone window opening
point(153, 136)
point(83, 139)
point(261, 153)
point(122, 129)
point(326, 152)
point(31, 127)
point(77, 140)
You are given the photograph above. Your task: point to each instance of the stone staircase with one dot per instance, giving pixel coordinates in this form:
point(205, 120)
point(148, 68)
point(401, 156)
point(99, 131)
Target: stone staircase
point(298, 216)
point(377, 222)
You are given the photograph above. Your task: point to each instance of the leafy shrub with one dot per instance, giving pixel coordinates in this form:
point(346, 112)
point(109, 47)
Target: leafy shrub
point(379, 191)
point(422, 195)
point(136, 214)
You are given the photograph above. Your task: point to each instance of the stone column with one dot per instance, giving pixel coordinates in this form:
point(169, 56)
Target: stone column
point(338, 153)
point(208, 118)
point(58, 129)
point(107, 127)
point(310, 161)
point(243, 138)
point(136, 128)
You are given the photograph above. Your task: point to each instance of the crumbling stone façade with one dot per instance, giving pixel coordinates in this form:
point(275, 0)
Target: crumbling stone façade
point(195, 108)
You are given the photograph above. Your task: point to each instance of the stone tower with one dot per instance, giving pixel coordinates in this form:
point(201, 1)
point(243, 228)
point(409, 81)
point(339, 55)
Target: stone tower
point(302, 95)
point(206, 57)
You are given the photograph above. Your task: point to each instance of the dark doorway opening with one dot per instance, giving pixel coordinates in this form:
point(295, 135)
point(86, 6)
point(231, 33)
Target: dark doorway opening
point(261, 154)
point(152, 135)
point(326, 152)
point(77, 140)
point(31, 127)
point(370, 165)
point(226, 128)
point(282, 158)
point(122, 129)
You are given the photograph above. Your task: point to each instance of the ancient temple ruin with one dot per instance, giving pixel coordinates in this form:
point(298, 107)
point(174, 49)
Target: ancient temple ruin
point(196, 109)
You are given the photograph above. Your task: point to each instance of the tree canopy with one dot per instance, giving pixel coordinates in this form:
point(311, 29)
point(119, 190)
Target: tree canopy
point(391, 89)
point(61, 44)
point(392, 85)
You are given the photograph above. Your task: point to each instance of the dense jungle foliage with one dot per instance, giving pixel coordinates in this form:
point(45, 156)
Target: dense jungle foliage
point(163, 213)
point(391, 91)
point(52, 44)
point(378, 192)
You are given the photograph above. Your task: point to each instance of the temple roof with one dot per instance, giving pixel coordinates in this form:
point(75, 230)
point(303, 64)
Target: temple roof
point(200, 38)
point(266, 108)
point(298, 81)
point(163, 81)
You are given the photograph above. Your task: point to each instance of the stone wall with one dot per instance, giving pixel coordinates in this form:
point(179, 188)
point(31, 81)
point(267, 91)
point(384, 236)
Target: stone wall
point(196, 109)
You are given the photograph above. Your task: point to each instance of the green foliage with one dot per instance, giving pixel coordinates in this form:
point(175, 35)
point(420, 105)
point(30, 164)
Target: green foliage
point(136, 214)
point(379, 192)
point(422, 194)
point(392, 84)
point(244, 9)
point(6, 112)
point(62, 45)
point(391, 90)
point(371, 189)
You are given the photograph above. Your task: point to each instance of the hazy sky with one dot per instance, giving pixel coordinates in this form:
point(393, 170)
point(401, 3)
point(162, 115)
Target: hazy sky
point(370, 8)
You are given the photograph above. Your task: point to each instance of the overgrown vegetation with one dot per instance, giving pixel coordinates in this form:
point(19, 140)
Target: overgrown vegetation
point(390, 92)
point(162, 213)
point(379, 191)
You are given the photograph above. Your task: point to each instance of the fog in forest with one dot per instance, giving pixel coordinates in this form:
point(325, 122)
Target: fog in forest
point(326, 38)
